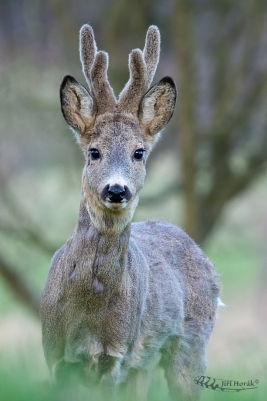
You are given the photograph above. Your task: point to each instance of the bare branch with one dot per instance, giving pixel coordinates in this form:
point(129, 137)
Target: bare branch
point(26, 228)
point(224, 189)
point(166, 192)
point(27, 234)
point(19, 287)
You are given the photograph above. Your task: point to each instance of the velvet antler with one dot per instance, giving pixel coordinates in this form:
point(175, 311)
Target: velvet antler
point(95, 65)
point(142, 67)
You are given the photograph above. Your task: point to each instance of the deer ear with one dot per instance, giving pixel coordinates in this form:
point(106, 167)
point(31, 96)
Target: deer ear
point(157, 106)
point(77, 106)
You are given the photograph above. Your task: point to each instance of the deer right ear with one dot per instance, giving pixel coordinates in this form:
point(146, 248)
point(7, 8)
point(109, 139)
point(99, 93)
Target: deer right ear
point(77, 106)
point(157, 106)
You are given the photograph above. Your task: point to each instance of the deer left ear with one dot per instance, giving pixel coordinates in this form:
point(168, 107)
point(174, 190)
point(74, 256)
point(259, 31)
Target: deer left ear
point(77, 106)
point(157, 106)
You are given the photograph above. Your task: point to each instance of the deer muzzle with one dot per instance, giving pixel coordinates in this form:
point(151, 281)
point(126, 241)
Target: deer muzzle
point(116, 193)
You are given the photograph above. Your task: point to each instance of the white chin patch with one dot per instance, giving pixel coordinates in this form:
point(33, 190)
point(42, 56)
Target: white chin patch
point(115, 206)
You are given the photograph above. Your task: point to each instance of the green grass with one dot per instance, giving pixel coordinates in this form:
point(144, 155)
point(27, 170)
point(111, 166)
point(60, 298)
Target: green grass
point(238, 264)
point(17, 384)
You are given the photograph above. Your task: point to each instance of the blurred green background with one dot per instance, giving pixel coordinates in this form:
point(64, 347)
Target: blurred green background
point(208, 173)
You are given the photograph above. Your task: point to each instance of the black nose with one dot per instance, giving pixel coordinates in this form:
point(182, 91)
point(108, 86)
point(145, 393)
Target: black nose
point(116, 193)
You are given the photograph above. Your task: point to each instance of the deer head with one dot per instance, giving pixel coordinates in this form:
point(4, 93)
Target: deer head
point(116, 136)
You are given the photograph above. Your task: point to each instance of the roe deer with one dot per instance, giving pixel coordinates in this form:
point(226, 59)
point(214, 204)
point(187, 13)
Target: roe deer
point(122, 299)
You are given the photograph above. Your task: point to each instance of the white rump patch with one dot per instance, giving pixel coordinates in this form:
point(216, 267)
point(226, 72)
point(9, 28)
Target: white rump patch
point(220, 305)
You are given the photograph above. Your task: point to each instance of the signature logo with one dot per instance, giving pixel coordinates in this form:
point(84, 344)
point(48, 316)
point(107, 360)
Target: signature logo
point(225, 385)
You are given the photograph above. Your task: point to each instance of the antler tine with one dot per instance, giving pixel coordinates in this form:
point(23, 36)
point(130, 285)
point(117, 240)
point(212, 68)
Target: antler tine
point(106, 101)
point(88, 51)
point(151, 52)
point(131, 94)
point(142, 66)
point(95, 65)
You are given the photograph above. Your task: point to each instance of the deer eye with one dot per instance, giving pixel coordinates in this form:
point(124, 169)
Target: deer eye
point(94, 154)
point(138, 154)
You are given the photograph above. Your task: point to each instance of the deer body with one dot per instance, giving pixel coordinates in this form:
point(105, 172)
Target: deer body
point(122, 298)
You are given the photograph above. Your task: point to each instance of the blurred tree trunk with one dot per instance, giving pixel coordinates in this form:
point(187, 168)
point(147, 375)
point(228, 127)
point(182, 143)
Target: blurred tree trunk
point(66, 25)
point(238, 82)
point(183, 48)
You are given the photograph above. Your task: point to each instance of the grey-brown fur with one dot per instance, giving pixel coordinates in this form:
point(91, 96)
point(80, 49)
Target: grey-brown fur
point(120, 298)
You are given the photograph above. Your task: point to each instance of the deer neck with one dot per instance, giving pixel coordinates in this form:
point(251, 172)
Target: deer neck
point(107, 248)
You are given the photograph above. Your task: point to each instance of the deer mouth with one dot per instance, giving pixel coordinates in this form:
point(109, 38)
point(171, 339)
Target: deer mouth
point(115, 205)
